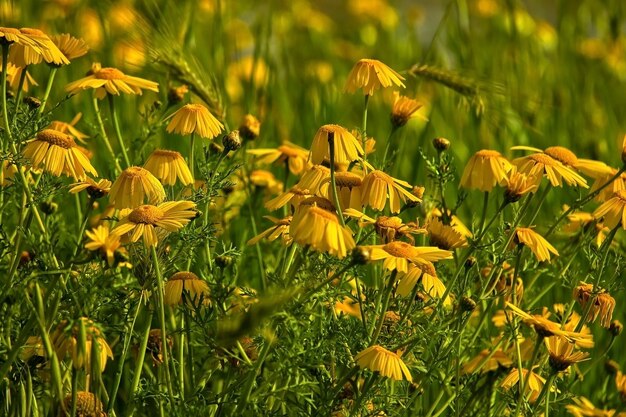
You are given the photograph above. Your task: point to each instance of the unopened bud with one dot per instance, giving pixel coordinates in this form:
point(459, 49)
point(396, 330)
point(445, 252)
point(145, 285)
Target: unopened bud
point(223, 261)
point(470, 262)
point(250, 127)
point(467, 304)
point(360, 255)
point(32, 102)
point(616, 328)
point(441, 144)
point(177, 94)
point(48, 207)
point(232, 141)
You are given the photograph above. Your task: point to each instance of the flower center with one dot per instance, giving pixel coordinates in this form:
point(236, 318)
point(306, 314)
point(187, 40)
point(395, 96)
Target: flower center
point(167, 154)
point(194, 108)
point(12, 31)
point(399, 249)
point(389, 222)
point(379, 175)
point(320, 202)
point(134, 172)
point(561, 154)
point(54, 137)
point(347, 179)
point(109, 74)
point(429, 269)
point(146, 214)
point(487, 153)
point(183, 276)
point(543, 159)
point(33, 32)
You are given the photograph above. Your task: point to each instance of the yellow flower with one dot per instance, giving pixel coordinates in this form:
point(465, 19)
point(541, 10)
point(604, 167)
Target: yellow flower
point(110, 81)
point(562, 354)
point(169, 166)
point(250, 127)
point(620, 384)
point(539, 164)
point(581, 221)
point(443, 236)
point(280, 229)
point(294, 156)
point(154, 222)
point(484, 170)
point(613, 211)
point(533, 382)
point(94, 189)
point(403, 109)
point(370, 75)
point(582, 407)
point(607, 192)
point(265, 179)
point(425, 273)
point(295, 195)
point(41, 48)
point(547, 328)
point(348, 190)
point(315, 223)
point(347, 147)
point(14, 74)
point(87, 405)
point(397, 255)
point(388, 228)
point(518, 185)
point(69, 128)
point(59, 154)
point(348, 306)
point(378, 359)
point(497, 359)
point(570, 160)
point(540, 247)
point(194, 118)
point(7, 173)
point(602, 303)
point(15, 36)
point(189, 282)
point(315, 179)
point(104, 242)
point(66, 340)
point(134, 186)
point(455, 222)
point(378, 187)
point(70, 46)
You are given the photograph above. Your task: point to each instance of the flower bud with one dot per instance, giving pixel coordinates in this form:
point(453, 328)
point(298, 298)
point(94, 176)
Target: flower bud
point(48, 207)
point(177, 94)
point(611, 367)
point(250, 127)
point(232, 141)
point(360, 255)
point(615, 328)
point(441, 144)
point(32, 102)
point(467, 304)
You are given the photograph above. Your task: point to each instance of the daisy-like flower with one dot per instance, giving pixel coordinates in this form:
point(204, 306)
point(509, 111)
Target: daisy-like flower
point(265, 179)
point(607, 192)
point(545, 327)
point(66, 340)
point(378, 359)
point(370, 75)
point(153, 222)
point(534, 383)
point(613, 211)
point(455, 221)
point(169, 167)
point(518, 185)
point(194, 118)
point(569, 159)
point(181, 282)
point(59, 154)
point(443, 236)
point(379, 187)
point(540, 247)
point(70, 46)
point(388, 228)
point(280, 229)
point(484, 170)
point(110, 81)
point(295, 195)
point(14, 74)
point(103, 241)
point(562, 354)
point(316, 224)
point(603, 303)
point(87, 404)
point(69, 128)
point(581, 220)
point(397, 255)
point(41, 49)
point(348, 306)
point(94, 189)
point(9, 36)
point(425, 273)
point(294, 156)
point(7, 173)
point(315, 179)
point(134, 186)
point(403, 110)
point(250, 127)
point(582, 407)
point(348, 189)
point(347, 147)
point(491, 361)
point(539, 164)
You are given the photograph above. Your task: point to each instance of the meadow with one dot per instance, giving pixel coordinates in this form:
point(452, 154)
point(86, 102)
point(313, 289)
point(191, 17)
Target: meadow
point(312, 208)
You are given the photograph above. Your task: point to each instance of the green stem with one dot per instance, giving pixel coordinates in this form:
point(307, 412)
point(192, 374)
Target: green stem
point(333, 184)
point(74, 391)
point(18, 98)
point(118, 132)
point(140, 359)
point(385, 304)
point(53, 73)
point(545, 392)
point(542, 198)
point(105, 138)
point(192, 161)
point(388, 146)
point(364, 140)
point(5, 113)
point(483, 215)
point(187, 318)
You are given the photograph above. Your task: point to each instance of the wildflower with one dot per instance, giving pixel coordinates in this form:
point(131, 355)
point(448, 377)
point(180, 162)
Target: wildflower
point(603, 304)
point(134, 186)
point(250, 127)
point(348, 189)
point(152, 222)
point(562, 354)
point(87, 405)
point(547, 328)
point(571, 324)
point(265, 179)
point(14, 74)
point(539, 164)
point(388, 228)
point(370, 75)
point(378, 359)
point(70, 46)
point(294, 156)
point(534, 383)
point(497, 359)
point(484, 170)
point(41, 49)
point(347, 147)
point(620, 384)
point(104, 242)
point(7, 173)
point(315, 223)
point(315, 179)
point(519, 184)
point(378, 187)
point(403, 110)
point(613, 211)
point(348, 306)
point(623, 155)
point(582, 221)
point(231, 141)
point(110, 81)
point(280, 229)
point(570, 160)
point(66, 340)
point(294, 196)
point(443, 236)
point(169, 166)
point(59, 154)
point(94, 189)
point(441, 144)
point(426, 273)
point(69, 128)
point(177, 94)
point(397, 255)
point(184, 282)
point(194, 118)
point(9, 36)
point(607, 192)
point(582, 407)
point(455, 222)
point(540, 247)
point(615, 328)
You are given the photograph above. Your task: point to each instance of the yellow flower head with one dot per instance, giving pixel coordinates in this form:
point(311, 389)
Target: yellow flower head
point(490, 361)
point(613, 211)
point(188, 282)
point(378, 359)
point(59, 154)
point(194, 118)
point(562, 354)
point(70, 46)
point(602, 303)
point(378, 187)
point(111, 81)
point(295, 195)
point(348, 190)
point(518, 185)
point(294, 156)
point(607, 192)
point(582, 407)
point(315, 179)
point(425, 273)
point(397, 255)
point(104, 242)
point(570, 160)
point(540, 247)
point(370, 75)
point(280, 229)
point(169, 166)
point(265, 179)
point(533, 382)
point(443, 236)
point(15, 36)
point(146, 220)
point(403, 110)
point(484, 170)
point(69, 128)
point(134, 186)
point(347, 147)
point(539, 164)
point(41, 49)
point(66, 340)
point(14, 74)
point(546, 328)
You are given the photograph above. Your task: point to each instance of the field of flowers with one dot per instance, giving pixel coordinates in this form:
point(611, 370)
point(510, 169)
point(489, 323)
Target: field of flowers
point(312, 208)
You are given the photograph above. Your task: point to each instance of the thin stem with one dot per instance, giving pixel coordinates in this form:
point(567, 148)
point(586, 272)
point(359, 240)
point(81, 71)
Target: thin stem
point(53, 73)
point(192, 161)
point(333, 183)
point(118, 132)
point(18, 98)
point(385, 304)
point(364, 140)
point(388, 146)
point(140, 359)
point(483, 215)
point(542, 198)
point(105, 138)
point(5, 113)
